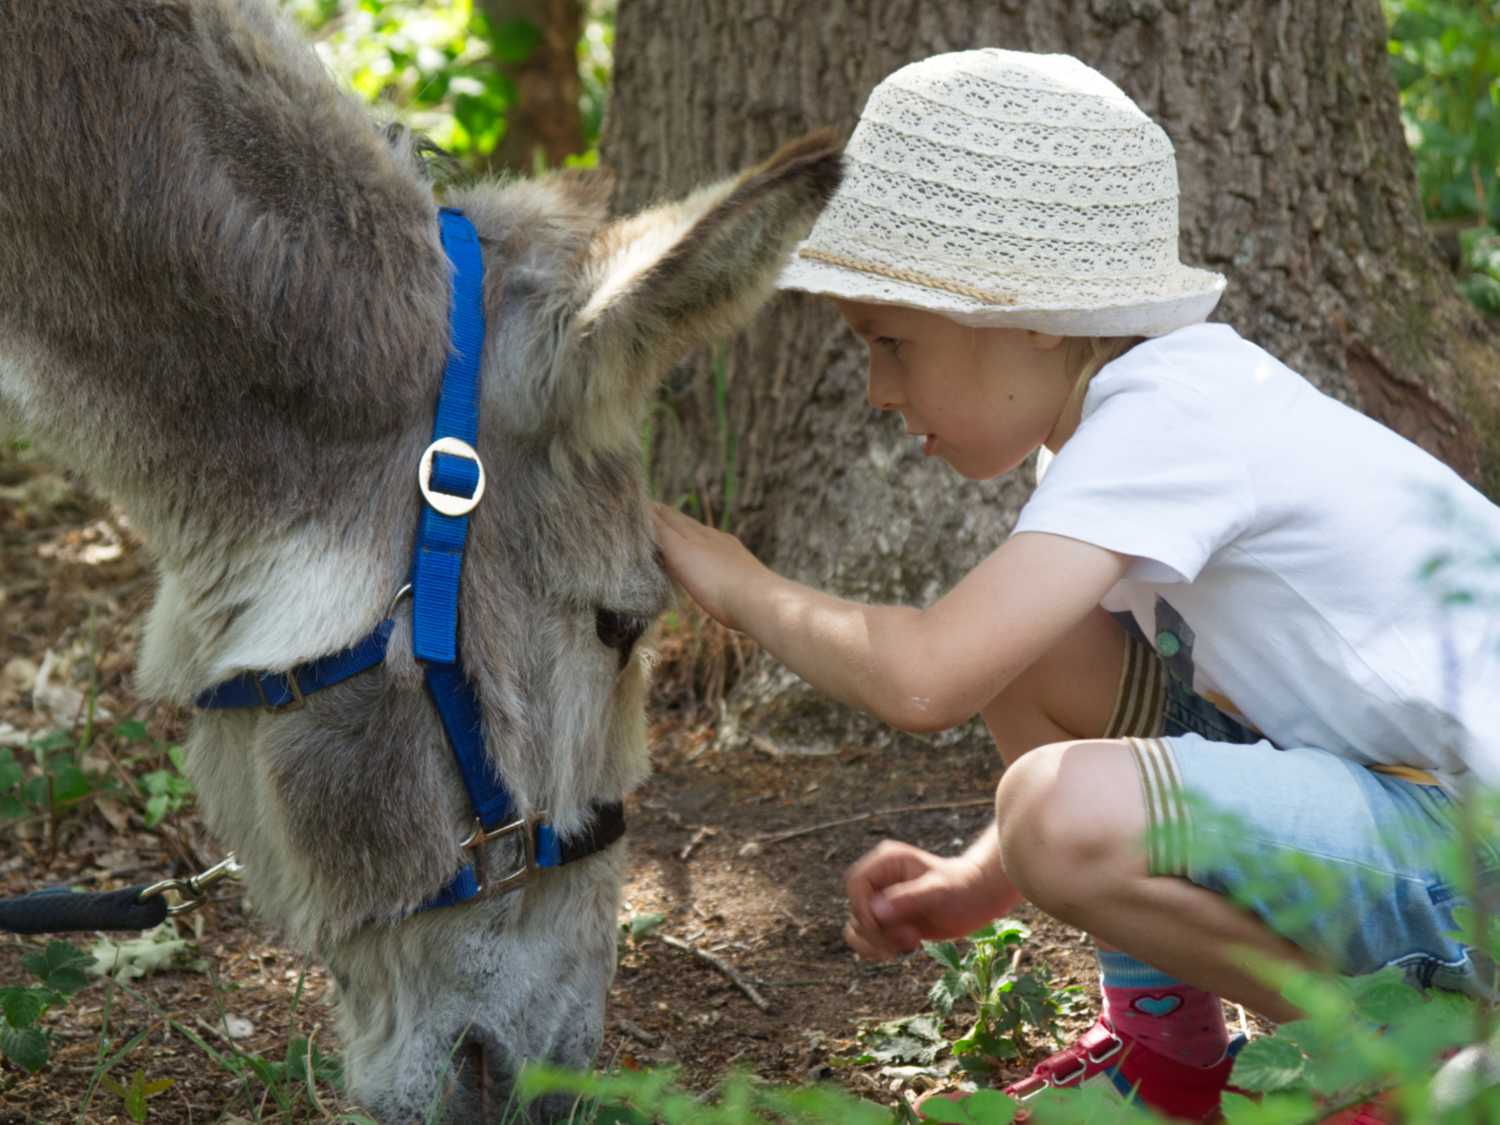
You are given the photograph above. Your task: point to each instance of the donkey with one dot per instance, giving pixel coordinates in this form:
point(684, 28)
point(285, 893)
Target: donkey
point(223, 301)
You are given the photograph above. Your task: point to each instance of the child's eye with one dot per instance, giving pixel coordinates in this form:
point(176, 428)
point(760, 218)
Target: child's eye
point(889, 343)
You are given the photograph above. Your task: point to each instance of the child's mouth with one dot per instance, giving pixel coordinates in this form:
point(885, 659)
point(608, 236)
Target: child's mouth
point(929, 442)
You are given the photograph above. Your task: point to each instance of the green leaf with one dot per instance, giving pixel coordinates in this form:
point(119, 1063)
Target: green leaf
point(985, 1107)
point(23, 1006)
point(945, 953)
point(11, 773)
point(1272, 1109)
point(26, 1047)
point(644, 925)
point(132, 730)
point(156, 809)
point(60, 967)
point(1384, 998)
point(914, 1039)
point(1268, 1064)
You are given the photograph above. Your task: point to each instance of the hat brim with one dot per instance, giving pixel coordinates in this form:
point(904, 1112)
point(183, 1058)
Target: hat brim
point(1193, 295)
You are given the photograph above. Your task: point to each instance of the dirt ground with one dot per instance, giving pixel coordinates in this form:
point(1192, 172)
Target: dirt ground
point(74, 582)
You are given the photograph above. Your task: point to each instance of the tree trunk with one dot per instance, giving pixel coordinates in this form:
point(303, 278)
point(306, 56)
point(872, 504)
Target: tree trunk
point(543, 124)
point(1296, 183)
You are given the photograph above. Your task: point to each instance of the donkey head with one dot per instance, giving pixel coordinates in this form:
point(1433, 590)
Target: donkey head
point(223, 298)
point(348, 812)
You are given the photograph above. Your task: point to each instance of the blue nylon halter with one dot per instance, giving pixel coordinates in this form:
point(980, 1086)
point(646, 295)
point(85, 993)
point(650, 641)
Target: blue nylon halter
point(454, 483)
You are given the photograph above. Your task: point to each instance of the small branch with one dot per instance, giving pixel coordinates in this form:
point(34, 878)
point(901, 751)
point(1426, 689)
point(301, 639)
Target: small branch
point(637, 1032)
point(724, 967)
point(779, 837)
point(698, 837)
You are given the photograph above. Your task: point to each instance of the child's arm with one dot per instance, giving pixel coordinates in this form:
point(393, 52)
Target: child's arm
point(917, 669)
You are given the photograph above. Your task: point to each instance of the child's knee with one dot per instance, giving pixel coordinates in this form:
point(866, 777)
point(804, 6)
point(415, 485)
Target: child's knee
point(1070, 821)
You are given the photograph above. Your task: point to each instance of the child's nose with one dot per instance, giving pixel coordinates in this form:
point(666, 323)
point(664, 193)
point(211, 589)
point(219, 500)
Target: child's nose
point(882, 390)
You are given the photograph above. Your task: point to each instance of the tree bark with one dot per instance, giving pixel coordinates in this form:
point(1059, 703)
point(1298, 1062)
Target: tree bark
point(1296, 183)
point(543, 123)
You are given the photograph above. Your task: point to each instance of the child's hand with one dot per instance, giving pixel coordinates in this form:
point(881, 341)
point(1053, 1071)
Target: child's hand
point(900, 896)
point(710, 565)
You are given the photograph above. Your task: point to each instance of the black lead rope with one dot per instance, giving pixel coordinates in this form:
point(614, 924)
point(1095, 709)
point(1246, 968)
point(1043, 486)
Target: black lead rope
point(59, 910)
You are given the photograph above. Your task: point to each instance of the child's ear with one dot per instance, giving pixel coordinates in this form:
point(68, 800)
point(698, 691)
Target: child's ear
point(686, 273)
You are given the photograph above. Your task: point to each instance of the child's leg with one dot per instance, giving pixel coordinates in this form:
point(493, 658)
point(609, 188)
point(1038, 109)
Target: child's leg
point(1071, 692)
point(1338, 859)
point(1073, 824)
point(1101, 682)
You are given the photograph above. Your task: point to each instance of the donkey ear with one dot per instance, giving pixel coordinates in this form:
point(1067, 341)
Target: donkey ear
point(684, 273)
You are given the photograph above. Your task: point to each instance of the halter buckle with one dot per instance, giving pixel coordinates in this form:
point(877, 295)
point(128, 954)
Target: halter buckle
point(444, 502)
point(294, 689)
point(476, 840)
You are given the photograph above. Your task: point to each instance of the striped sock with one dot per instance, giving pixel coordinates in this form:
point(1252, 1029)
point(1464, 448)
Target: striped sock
point(1172, 1018)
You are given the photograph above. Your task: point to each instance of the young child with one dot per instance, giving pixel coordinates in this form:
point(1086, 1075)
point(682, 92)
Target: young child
point(1213, 590)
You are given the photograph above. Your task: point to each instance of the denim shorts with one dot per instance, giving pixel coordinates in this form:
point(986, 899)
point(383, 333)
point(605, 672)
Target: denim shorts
point(1338, 858)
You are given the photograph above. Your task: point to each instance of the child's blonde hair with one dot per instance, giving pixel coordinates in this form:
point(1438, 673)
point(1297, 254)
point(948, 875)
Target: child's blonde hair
point(1087, 354)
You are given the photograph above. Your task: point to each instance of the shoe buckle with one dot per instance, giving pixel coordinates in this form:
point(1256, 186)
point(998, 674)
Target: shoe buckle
point(1071, 1077)
point(1027, 1088)
point(1109, 1051)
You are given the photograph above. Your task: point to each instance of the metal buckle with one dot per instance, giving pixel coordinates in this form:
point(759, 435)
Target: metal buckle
point(295, 703)
point(1071, 1077)
point(446, 503)
point(1109, 1052)
point(194, 889)
point(476, 840)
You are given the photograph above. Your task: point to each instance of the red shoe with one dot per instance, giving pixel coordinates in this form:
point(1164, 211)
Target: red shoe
point(1183, 1092)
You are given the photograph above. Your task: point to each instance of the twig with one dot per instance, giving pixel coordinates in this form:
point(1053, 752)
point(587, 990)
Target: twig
point(698, 837)
point(778, 837)
point(724, 967)
point(637, 1032)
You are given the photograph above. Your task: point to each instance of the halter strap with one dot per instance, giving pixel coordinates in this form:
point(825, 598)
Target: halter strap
point(451, 479)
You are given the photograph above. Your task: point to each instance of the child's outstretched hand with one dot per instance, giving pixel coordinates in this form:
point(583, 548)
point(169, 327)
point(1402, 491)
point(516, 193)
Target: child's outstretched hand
point(900, 896)
point(710, 565)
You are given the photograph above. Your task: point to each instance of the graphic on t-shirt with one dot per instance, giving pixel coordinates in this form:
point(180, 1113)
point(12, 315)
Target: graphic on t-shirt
point(1173, 640)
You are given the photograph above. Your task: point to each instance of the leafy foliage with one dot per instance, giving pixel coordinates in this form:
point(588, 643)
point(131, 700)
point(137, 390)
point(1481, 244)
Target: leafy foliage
point(1446, 58)
point(439, 65)
point(1009, 1005)
point(643, 1097)
point(60, 970)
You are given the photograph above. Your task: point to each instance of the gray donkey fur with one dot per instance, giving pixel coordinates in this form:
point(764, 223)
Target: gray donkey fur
point(223, 301)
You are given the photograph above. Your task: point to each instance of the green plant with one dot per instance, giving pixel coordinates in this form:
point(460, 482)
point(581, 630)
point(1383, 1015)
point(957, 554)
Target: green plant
point(137, 1092)
point(1445, 55)
point(55, 781)
point(1479, 253)
point(161, 786)
point(1010, 1005)
point(62, 971)
point(642, 1097)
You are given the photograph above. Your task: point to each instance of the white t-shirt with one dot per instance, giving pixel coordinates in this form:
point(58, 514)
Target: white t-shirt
point(1279, 541)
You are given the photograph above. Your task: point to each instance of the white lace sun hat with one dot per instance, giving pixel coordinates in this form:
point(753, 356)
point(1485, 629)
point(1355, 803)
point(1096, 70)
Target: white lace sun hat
point(1009, 189)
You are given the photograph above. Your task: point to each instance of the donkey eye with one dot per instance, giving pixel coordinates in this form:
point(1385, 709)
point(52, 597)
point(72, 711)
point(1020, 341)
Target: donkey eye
point(619, 630)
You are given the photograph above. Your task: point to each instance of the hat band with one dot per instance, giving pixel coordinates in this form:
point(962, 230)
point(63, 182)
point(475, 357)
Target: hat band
point(898, 273)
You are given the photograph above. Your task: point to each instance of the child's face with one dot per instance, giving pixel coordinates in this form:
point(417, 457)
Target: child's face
point(981, 398)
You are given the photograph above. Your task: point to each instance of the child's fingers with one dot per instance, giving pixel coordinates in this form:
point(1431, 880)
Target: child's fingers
point(878, 946)
point(888, 863)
